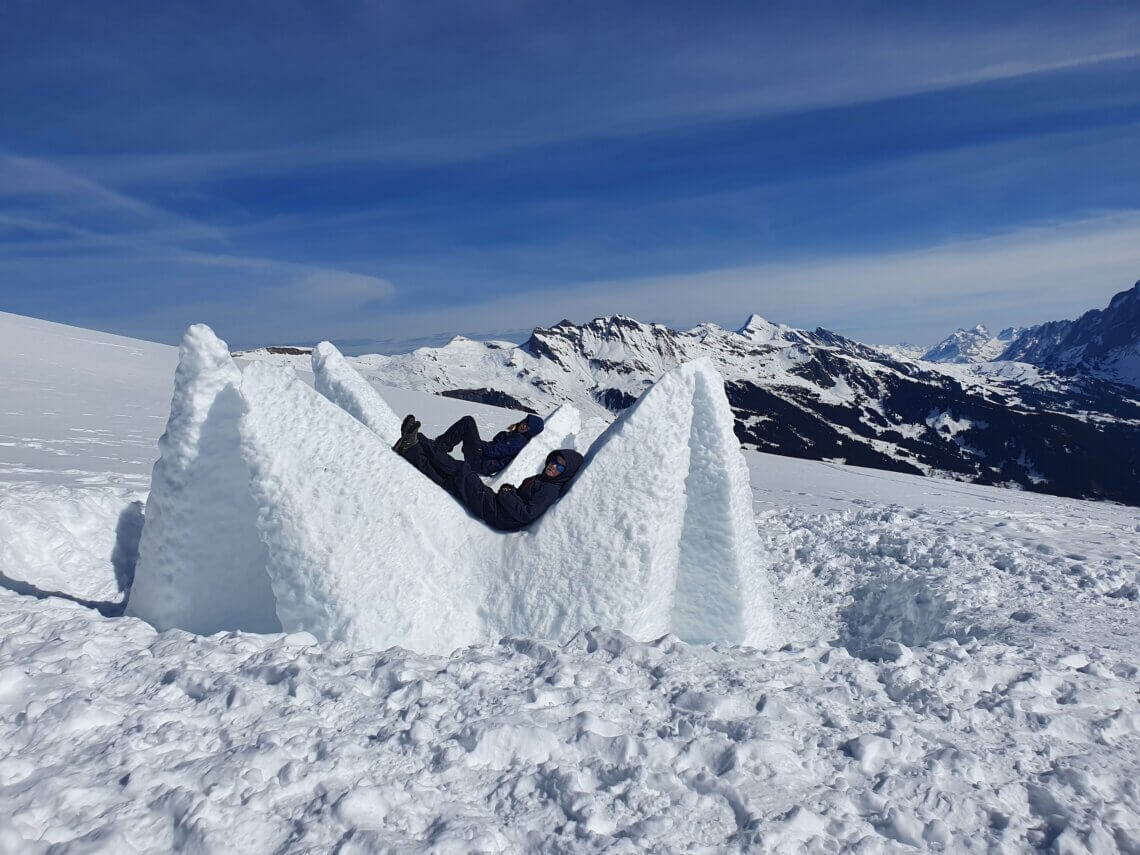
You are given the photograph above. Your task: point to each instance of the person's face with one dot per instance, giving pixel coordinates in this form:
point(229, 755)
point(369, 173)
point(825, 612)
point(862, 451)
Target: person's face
point(555, 467)
point(522, 427)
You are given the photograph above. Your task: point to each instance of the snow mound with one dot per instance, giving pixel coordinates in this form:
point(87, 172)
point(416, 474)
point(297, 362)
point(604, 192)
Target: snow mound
point(80, 543)
point(306, 520)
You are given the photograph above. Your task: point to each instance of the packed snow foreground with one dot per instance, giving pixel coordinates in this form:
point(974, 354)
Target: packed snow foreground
point(277, 507)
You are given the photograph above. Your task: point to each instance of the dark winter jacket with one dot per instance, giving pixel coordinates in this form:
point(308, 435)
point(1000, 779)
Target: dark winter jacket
point(510, 510)
point(500, 451)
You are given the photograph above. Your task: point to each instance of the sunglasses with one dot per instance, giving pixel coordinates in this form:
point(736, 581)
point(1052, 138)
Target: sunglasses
point(560, 466)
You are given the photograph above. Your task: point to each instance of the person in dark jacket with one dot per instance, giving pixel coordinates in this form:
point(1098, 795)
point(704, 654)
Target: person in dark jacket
point(487, 457)
point(511, 508)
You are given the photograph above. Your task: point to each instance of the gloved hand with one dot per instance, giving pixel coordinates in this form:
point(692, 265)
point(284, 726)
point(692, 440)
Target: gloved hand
point(507, 488)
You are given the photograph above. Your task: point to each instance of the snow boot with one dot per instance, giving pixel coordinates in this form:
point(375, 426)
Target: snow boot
point(409, 434)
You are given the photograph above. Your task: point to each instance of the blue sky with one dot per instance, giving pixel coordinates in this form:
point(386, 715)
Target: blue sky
point(383, 174)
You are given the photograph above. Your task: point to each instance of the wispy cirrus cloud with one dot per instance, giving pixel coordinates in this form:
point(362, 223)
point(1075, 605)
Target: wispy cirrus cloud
point(397, 88)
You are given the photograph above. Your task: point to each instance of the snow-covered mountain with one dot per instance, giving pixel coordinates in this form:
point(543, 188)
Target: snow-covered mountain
point(1103, 342)
point(813, 394)
point(975, 345)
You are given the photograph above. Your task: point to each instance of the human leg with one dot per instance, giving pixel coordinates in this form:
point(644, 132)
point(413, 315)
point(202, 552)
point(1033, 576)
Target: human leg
point(466, 432)
point(439, 467)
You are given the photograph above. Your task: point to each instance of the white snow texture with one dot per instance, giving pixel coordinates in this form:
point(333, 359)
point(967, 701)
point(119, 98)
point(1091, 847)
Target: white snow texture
point(271, 509)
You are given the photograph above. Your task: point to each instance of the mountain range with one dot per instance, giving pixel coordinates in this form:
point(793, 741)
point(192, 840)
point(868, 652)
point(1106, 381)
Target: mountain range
point(1053, 408)
point(1102, 343)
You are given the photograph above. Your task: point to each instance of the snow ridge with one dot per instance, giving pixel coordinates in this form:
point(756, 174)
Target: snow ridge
point(340, 383)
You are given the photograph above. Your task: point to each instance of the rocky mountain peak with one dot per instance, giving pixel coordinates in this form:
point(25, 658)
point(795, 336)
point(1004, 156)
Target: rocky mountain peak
point(759, 330)
point(1104, 342)
point(965, 346)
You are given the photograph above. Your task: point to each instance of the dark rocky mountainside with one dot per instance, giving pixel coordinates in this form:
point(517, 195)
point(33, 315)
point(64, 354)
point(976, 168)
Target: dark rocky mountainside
point(1104, 342)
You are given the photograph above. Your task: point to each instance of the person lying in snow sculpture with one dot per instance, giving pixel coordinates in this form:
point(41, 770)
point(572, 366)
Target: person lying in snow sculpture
point(510, 509)
point(487, 457)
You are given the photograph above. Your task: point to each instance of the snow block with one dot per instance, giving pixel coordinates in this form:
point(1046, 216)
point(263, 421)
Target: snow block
point(314, 524)
point(201, 566)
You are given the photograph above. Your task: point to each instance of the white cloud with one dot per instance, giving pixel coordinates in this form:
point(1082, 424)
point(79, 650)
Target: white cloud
point(86, 207)
point(336, 290)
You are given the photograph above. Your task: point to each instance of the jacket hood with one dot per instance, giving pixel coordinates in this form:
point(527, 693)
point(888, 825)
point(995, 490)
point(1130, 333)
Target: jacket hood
point(573, 464)
point(535, 425)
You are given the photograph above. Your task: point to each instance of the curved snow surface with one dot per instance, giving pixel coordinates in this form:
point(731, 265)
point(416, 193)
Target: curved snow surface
point(272, 509)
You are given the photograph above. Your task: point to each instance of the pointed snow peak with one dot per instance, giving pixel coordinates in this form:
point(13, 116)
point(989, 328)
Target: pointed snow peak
point(706, 330)
point(759, 329)
point(962, 346)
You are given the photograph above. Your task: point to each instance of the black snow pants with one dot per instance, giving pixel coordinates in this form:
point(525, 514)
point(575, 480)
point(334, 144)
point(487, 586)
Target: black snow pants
point(463, 431)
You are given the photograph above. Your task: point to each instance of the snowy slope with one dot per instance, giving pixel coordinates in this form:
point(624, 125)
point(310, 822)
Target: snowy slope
point(958, 671)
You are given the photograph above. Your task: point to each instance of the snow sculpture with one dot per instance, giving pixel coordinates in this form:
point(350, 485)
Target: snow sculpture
point(655, 535)
point(201, 566)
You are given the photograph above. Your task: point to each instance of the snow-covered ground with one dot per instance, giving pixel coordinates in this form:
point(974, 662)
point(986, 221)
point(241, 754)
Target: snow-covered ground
point(959, 669)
